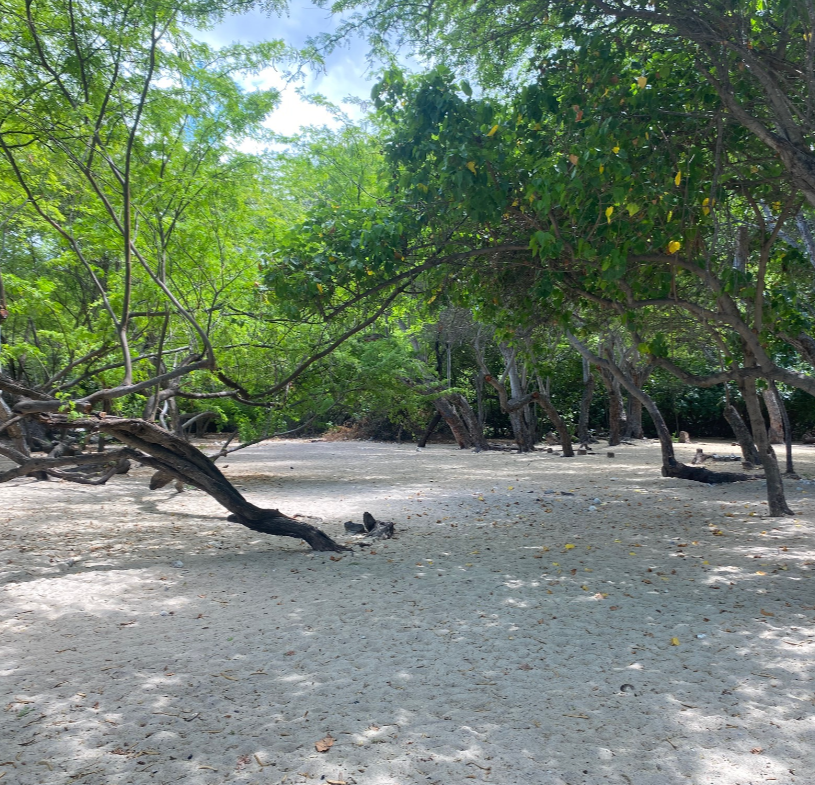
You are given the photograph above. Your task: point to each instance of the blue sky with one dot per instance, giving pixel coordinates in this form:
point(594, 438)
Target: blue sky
point(346, 71)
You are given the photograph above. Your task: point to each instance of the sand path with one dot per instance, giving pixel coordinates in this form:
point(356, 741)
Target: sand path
point(488, 643)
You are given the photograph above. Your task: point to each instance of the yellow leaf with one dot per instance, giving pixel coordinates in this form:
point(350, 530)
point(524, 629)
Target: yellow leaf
point(471, 166)
point(584, 587)
point(320, 288)
point(574, 159)
point(670, 214)
point(493, 130)
point(674, 641)
point(568, 546)
point(615, 150)
point(641, 82)
point(602, 169)
point(678, 178)
point(674, 246)
point(609, 211)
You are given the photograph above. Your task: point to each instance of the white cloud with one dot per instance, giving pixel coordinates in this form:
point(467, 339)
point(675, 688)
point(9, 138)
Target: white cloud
point(346, 71)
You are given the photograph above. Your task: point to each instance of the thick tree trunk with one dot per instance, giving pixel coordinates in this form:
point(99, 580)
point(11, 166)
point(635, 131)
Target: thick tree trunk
point(776, 431)
point(165, 452)
point(775, 483)
point(743, 436)
point(524, 438)
point(633, 427)
point(585, 404)
point(522, 424)
point(454, 422)
point(431, 426)
point(471, 421)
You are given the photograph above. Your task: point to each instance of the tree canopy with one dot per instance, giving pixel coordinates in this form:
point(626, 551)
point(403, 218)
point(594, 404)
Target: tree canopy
point(627, 187)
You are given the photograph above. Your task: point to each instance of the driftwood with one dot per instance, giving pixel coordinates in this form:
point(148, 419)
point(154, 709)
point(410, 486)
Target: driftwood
point(699, 474)
point(370, 527)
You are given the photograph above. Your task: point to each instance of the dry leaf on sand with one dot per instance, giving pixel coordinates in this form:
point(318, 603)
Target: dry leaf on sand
point(324, 745)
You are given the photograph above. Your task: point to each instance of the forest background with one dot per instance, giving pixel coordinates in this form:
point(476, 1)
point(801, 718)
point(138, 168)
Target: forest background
point(580, 217)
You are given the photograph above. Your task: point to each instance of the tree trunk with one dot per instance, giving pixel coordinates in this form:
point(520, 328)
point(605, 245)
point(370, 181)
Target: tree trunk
point(785, 419)
point(471, 421)
point(743, 436)
point(585, 404)
point(775, 483)
point(670, 466)
point(633, 427)
point(776, 432)
point(165, 452)
point(554, 417)
point(431, 426)
point(454, 422)
point(616, 410)
point(14, 431)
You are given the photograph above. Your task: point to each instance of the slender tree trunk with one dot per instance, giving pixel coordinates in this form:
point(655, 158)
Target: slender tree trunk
point(432, 425)
point(776, 431)
point(775, 483)
point(552, 413)
point(742, 433)
point(585, 404)
point(615, 408)
point(785, 419)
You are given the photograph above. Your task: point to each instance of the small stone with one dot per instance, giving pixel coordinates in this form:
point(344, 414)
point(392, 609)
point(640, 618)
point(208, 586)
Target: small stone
point(178, 563)
point(701, 636)
point(626, 688)
point(592, 508)
point(596, 501)
point(164, 613)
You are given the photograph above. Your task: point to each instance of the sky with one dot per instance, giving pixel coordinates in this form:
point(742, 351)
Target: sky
point(346, 71)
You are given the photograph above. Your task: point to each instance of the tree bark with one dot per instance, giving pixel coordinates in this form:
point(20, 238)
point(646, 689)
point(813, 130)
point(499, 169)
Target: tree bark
point(552, 413)
point(152, 446)
point(785, 419)
point(633, 427)
point(670, 466)
point(454, 422)
point(616, 410)
point(431, 426)
point(743, 436)
point(775, 483)
point(776, 431)
point(585, 404)
point(471, 421)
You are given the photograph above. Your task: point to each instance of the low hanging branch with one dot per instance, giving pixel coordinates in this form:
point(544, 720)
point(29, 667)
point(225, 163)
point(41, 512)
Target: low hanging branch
point(152, 446)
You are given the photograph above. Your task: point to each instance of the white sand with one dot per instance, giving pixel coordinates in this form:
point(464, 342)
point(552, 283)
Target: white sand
point(476, 646)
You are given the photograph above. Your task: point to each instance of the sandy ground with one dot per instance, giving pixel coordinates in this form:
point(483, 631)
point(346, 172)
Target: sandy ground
point(509, 635)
